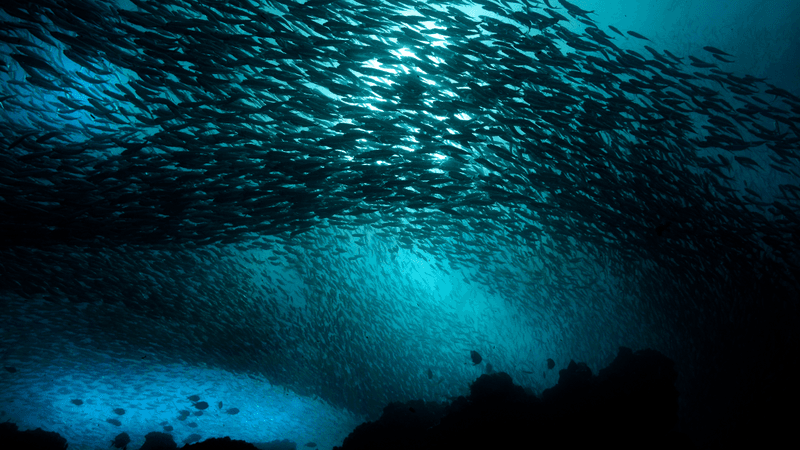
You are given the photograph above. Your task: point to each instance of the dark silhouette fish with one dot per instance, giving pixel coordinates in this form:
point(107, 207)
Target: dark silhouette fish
point(197, 413)
point(119, 411)
point(430, 374)
point(613, 28)
point(637, 35)
point(476, 358)
point(220, 405)
point(232, 411)
point(192, 424)
point(121, 441)
point(114, 422)
point(720, 58)
point(194, 398)
point(310, 444)
point(201, 405)
point(76, 401)
point(550, 363)
point(10, 369)
point(168, 428)
point(716, 51)
point(574, 9)
point(549, 5)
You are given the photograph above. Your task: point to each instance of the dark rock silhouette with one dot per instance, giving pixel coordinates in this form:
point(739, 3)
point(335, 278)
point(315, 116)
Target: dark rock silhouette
point(225, 443)
point(632, 403)
point(158, 441)
point(13, 439)
point(121, 441)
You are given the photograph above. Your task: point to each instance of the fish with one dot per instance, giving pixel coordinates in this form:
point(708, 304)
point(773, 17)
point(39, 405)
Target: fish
point(10, 369)
point(430, 374)
point(637, 35)
point(574, 10)
point(720, 58)
point(76, 401)
point(715, 51)
point(550, 363)
point(192, 424)
point(747, 162)
point(194, 398)
point(114, 422)
point(119, 411)
point(310, 444)
point(201, 405)
point(476, 357)
point(614, 29)
point(232, 411)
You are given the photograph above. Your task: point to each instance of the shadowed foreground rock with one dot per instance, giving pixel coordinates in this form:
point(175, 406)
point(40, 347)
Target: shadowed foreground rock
point(632, 403)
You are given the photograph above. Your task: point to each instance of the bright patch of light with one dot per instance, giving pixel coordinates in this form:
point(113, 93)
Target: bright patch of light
point(404, 52)
point(431, 24)
point(462, 116)
point(438, 156)
point(374, 64)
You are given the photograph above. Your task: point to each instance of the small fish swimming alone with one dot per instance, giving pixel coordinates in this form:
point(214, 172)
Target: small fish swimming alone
point(119, 411)
point(476, 358)
point(220, 405)
point(637, 35)
point(232, 411)
point(76, 401)
point(114, 422)
point(550, 363)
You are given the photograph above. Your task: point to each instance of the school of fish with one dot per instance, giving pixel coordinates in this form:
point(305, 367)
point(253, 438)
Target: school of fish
point(194, 162)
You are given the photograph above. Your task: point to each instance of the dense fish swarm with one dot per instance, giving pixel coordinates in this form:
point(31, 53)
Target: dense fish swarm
point(157, 163)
